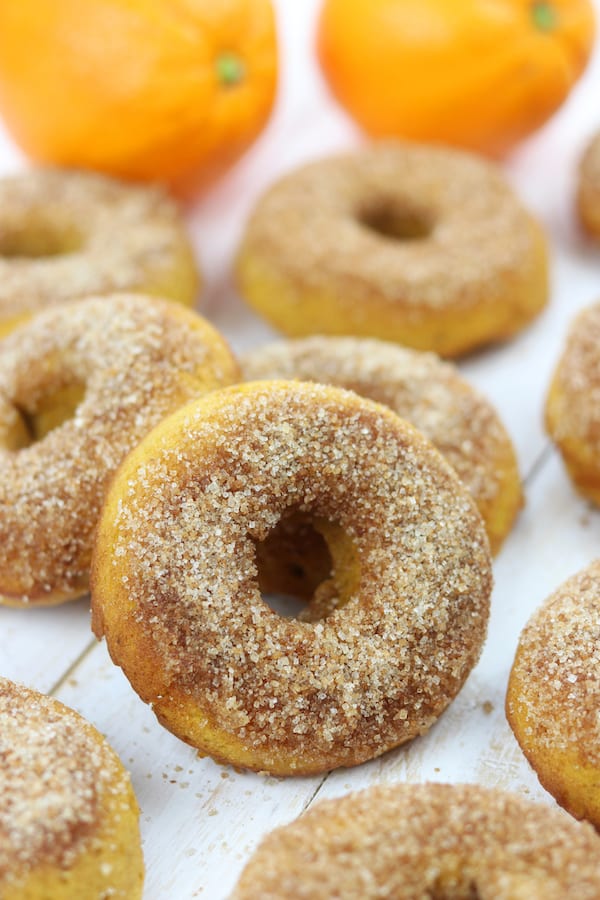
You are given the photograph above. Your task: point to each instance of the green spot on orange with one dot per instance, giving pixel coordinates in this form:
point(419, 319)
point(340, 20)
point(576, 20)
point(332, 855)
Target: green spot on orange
point(230, 69)
point(544, 16)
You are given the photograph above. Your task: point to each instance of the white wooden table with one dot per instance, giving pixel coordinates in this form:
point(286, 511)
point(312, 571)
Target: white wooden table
point(200, 821)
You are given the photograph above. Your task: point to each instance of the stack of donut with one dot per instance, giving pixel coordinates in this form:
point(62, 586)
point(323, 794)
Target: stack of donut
point(139, 459)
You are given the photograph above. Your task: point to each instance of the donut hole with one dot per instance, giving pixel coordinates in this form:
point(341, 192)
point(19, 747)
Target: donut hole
point(394, 220)
point(39, 239)
point(307, 567)
point(47, 412)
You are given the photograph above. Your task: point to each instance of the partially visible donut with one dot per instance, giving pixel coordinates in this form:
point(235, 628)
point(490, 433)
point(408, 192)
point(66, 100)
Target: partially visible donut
point(416, 841)
point(66, 234)
point(422, 245)
point(573, 403)
point(588, 192)
point(432, 395)
point(553, 694)
point(68, 816)
point(80, 384)
point(388, 641)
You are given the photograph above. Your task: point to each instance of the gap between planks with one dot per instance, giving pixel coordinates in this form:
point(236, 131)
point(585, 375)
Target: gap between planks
point(71, 669)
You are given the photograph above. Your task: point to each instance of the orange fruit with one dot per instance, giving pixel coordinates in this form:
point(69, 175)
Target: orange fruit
point(174, 90)
point(481, 74)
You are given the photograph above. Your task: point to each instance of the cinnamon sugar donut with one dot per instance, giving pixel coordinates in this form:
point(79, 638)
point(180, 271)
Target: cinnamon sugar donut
point(573, 403)
point(413, 841)
point(66, 234)
point(588, 192)
point(384, 646)
point(68, 816)
point(80, 384)
point(458, 420)
point(554, 694)
point(422, 245)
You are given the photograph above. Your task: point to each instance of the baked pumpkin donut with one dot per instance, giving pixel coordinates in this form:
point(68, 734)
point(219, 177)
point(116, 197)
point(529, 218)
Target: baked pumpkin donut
point(66, 234)
point(431, 394)
point(80, 384)
point(386, 643)
point(572, 407)
point(588, 192)
point(422, 245)
point(554, 694)
point(412, 841)
point(68, 815)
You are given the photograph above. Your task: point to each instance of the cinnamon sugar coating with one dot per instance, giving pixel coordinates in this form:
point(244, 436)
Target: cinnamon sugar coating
point(381, 651)
point(588, 191)
point(430, 394)
point(553, 696)
point(61, 788)
point(573, 403)
point(423, 245)
point(412, 841)
point(79, 386)
point(67, 234)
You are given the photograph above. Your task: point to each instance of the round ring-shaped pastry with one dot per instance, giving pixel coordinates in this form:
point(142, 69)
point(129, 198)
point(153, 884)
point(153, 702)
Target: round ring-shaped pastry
point(68, 816)
point(588, 192)
point(65, 235)
point(410, 841)
point(390, 639)
point(554, 694)
point(80, 384)
point(431, 394)
point(421, 245)
point(573, 407)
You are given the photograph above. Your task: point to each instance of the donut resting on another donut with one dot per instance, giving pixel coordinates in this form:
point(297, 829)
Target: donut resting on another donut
point(386, 642)
point(430, 394)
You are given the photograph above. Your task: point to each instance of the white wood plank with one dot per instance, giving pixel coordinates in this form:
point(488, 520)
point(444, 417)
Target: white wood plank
point(200, 821)
point(38, 645)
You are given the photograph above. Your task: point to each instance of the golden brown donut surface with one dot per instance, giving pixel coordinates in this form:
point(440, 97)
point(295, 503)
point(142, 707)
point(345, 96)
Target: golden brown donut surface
point(79, 386)
point(431, 394)
point(588, 193)
point(67, 234)
point(175, 591)
point(416, 841)
point(422, 245)
point(573, 403)
point(554, 694)
point(68, 815)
